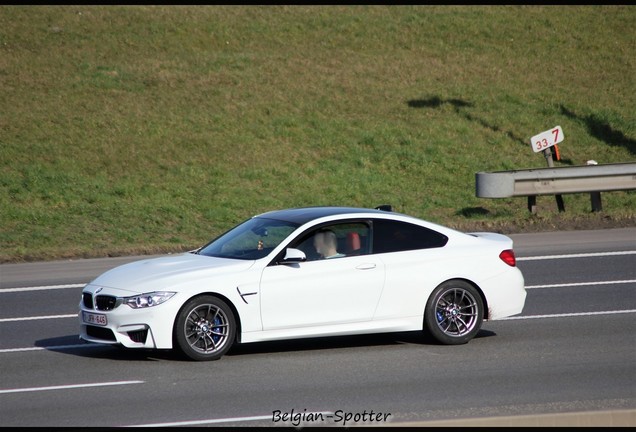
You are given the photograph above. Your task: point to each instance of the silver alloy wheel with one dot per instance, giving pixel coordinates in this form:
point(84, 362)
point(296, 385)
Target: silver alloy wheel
point(206, 328)
point(456, 312)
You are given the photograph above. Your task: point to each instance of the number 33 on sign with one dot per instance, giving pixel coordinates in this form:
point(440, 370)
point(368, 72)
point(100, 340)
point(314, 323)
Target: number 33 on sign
point(546, 139)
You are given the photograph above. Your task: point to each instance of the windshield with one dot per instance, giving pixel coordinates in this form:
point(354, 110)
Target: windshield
point(253, 239)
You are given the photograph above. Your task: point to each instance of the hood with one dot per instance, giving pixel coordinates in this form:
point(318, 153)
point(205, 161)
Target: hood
point(164, 273)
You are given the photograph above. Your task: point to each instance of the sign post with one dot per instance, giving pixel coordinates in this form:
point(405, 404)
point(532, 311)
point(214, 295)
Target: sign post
point(543, 143)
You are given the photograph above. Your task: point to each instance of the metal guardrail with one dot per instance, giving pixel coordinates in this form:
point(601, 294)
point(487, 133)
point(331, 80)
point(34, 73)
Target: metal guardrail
point(591, 179)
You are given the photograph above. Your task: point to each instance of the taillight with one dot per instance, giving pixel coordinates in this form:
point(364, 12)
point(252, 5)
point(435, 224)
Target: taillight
point(508, 256)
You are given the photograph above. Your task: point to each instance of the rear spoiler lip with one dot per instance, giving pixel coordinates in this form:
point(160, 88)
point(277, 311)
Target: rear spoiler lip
point(385, 207)
point(502, 239)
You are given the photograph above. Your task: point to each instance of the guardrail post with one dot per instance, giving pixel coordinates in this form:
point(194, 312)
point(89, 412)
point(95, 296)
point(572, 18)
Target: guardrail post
point(595, 197)
point(559, 199)
point(597, 205)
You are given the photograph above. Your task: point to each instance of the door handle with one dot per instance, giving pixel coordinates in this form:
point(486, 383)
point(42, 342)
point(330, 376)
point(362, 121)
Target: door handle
point(366, 266)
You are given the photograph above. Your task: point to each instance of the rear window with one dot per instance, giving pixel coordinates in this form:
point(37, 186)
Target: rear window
point(395, 236)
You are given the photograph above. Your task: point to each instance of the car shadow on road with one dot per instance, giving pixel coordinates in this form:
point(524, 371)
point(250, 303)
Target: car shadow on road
point(72, 345)
point(336, 342)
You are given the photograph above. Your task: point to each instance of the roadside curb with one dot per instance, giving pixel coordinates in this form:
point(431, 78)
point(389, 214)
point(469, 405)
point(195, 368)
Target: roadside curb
point(616, 418)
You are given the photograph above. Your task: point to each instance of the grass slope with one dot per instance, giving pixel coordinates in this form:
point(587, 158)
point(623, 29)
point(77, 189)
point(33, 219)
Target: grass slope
point(142, 129)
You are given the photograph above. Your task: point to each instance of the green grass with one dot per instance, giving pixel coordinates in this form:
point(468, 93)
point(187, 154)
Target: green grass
point(143, 129)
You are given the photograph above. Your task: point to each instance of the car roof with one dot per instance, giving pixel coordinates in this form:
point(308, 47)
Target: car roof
point(302, 215)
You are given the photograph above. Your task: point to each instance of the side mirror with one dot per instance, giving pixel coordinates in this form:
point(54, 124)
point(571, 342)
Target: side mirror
point(293, 256)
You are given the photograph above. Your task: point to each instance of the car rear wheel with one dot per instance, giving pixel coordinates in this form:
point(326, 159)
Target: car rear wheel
point(454, 312)
point(205, 328)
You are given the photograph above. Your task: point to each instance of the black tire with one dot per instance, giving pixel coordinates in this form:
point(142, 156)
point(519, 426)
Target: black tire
point(454, 313)
point(205, 328)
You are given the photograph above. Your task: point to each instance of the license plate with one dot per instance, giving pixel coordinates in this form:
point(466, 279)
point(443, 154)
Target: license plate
point(96, 319)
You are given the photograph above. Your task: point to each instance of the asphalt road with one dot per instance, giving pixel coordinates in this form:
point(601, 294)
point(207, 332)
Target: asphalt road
point(568, 359)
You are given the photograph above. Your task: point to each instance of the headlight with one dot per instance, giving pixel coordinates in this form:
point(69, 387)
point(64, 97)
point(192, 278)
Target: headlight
point(148, 299)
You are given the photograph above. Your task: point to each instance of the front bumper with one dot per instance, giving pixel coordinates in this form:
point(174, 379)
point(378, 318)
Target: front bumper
point(118, 324)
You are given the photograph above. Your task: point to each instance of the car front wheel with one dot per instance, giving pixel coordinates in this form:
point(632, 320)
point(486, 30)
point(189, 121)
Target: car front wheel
point(454, 313)
point(205, 328)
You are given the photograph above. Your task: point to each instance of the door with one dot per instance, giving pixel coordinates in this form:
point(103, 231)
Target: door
point(322, 292)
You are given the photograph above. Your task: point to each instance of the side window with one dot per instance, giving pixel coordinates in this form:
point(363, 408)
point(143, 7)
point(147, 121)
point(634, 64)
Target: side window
point(335, 241)
point(394, 236)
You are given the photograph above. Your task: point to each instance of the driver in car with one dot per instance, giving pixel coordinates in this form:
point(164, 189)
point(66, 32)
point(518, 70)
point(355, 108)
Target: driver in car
point(326, 243)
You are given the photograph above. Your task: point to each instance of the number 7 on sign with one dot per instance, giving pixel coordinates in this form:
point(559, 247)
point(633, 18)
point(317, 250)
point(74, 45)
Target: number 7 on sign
point(546, 139)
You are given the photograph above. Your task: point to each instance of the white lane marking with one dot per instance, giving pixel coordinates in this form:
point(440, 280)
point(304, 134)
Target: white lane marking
point(582, 284)
point(69, 386)
point(531, 258)
point(94, 345)
point(32, 318)
point(223, 420)
point(582, 255)
point(568, 315)
point(527, 287)
point(200, 422)
point(54, 347)
point(42, 287)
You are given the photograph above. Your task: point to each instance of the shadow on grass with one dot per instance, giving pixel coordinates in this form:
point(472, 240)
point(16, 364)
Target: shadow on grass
point(458, 106)
point(472, 211)
point(71, 345)
point(436, 101)
point(596, 127)
point(602, 131)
